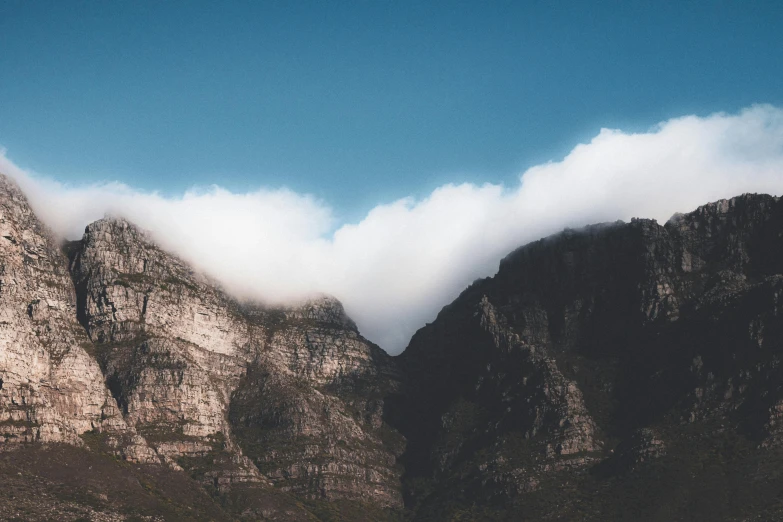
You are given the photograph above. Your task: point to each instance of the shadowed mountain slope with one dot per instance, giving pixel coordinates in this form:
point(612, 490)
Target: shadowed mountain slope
point(621, 371)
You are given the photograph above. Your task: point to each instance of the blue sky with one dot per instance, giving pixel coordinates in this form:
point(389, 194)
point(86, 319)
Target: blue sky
point(353, 106)
point(360, 103)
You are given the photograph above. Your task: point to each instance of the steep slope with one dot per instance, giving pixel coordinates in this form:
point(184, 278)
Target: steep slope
point(51, 390)
point(151, 363)
point(310, 408)
point(619, 371)
point(208, 380)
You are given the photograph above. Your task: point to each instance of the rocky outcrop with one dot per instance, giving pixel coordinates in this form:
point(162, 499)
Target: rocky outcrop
point(51, 389)
point(222, 388)
point(138, 355)
point(628, 353)
point(171, 346)
point(310, 408)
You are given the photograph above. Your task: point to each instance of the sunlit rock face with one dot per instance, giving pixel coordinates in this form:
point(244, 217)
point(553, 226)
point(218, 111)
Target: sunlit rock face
point(223, 388)
point(52, 388)
point(136, 352)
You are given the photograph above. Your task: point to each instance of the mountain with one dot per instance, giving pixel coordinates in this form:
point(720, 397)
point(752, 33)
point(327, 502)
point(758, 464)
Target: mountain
point(617, 372)
point(264, 413)
point(624, 371)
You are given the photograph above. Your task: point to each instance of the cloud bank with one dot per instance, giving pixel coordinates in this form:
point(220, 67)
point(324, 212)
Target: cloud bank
point(399, 265)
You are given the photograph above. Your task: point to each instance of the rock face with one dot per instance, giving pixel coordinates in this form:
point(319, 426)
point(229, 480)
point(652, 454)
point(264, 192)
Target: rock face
point(138, 356)
point(310, 408)
point(602, 368)
point(222, 388)
point(51, 389)
point(624, 371)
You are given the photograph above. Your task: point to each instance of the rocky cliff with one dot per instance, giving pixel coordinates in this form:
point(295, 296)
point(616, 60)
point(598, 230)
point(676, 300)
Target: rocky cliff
point(138, 356)
point(621, 371)
point(51, 389)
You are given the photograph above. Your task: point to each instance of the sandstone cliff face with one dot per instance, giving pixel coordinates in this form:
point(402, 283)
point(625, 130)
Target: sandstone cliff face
point(51, 389)
point(597, 353)
point(140, 356)
point(169, 344)
point(210, 381)
point(310, 409)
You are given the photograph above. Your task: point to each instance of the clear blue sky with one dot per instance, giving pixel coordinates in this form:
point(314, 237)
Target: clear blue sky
point(360, 102)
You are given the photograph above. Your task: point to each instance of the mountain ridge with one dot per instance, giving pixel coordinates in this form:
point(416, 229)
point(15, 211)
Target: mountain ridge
point(591, 352)
point(616, 358)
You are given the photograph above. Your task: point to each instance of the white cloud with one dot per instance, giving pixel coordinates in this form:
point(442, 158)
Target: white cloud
point(398, 266)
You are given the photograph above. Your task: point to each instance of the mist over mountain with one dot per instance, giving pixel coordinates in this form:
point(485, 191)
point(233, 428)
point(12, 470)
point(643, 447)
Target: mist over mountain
point(373, 261)
point(394, 268)
point(611, 372)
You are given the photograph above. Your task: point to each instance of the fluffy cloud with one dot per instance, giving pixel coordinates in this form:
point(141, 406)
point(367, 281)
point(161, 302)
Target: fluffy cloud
point(400, 264)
